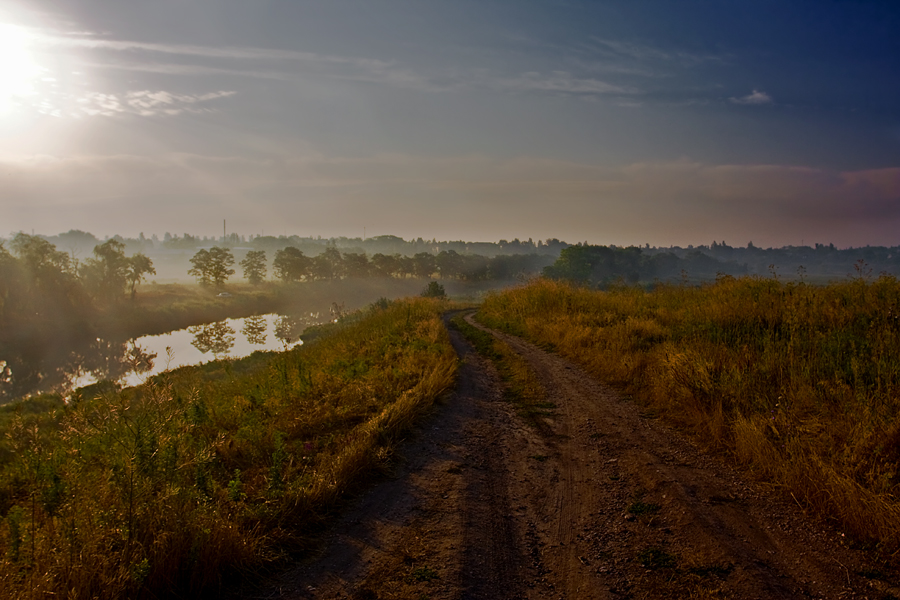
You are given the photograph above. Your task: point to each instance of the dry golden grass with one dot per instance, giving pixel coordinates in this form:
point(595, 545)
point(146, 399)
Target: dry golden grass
point(209, 472)
point(798, 382)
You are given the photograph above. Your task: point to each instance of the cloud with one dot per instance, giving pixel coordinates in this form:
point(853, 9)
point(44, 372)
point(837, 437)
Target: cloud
point(227, 60)
point(313, 194)
point(145, 103)
point(757, 97)
point(561, 82)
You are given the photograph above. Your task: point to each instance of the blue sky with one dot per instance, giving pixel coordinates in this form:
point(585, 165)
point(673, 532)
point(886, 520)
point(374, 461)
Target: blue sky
point(610, 122)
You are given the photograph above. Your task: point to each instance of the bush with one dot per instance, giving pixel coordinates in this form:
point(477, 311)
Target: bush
point(434, 290)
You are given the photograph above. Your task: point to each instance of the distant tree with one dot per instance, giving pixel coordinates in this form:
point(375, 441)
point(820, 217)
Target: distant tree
point(107, 273)
point(356, 265)
point(329, 264)
point(43, 263)
point(385, 265)
point(139, 266)
point(434, 290)
point(211, 267)
point(254, 266)
point(424, 264)
point(449, 263)
point(291, 265)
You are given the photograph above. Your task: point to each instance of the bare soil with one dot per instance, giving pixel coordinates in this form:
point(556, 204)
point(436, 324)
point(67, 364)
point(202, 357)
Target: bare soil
point(601, 501)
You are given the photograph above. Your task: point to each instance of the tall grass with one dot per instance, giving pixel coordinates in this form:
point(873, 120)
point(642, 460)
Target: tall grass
point(799, 382)
point(176, 486)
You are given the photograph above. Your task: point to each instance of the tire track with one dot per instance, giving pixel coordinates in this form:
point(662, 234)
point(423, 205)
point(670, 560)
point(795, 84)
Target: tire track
point(599, 502)
point(665, 520)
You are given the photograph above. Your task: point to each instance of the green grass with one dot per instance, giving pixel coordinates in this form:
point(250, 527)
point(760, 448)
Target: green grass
point(423, 574)
point(206, 473)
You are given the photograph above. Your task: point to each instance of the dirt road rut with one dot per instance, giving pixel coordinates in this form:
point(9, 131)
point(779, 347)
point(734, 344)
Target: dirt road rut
point(601, 502)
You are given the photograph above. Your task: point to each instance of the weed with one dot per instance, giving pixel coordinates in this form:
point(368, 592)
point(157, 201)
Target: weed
point(639, 507)
point(654, 558)
point(424, 573)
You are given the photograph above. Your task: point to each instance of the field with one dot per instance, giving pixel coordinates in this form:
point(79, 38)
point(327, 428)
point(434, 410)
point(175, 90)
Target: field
point(213, 475)
point(209, 473)
point(798, 382)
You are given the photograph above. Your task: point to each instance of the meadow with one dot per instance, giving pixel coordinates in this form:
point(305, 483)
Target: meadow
point(798, 382)
point(206, 474)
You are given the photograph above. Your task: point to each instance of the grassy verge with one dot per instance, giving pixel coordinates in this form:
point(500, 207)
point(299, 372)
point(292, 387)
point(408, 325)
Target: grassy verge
point(206, 473)
point(799, 382)
point(521, 385)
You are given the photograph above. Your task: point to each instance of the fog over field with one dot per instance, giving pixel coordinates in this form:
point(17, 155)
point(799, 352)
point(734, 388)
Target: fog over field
point(609, 122)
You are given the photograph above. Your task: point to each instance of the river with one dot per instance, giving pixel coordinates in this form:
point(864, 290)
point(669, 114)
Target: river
point(130, 362)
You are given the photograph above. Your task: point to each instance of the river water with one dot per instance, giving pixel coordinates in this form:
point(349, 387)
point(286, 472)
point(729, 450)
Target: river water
point(130, 362)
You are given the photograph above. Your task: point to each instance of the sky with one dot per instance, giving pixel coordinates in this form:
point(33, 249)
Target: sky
point(610, 122)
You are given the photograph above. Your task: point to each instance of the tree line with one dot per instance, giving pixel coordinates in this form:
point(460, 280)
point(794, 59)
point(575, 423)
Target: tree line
point(42, 287)
point(213, 266)
point(605, 265)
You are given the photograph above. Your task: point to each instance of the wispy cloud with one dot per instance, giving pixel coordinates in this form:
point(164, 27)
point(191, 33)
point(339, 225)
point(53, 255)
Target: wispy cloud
point(756, 97)
point(286, 64)
point(561, 82)
point(268, 63)
point(146, 103)
point(647, 53)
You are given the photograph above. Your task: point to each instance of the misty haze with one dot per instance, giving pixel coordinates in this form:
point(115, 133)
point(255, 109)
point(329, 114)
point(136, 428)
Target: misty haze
point(383, 299)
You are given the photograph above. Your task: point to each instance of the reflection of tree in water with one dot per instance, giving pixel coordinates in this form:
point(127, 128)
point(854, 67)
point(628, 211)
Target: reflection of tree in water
point(288, 329)
point(255, 330)
point(114, 359)
point(50, 369)
point(6, 378)
point(217, 338)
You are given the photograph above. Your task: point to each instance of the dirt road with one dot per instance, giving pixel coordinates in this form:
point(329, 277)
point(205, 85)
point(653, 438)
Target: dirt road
point(603, 502)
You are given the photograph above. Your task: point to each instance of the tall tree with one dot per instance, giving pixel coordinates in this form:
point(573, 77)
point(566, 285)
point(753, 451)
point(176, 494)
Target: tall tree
point(43, 263)
point(356, 265)
point(254, 266)
point(291, 265)
point(107, 273)
point(385, 265)
point(211, 267)
point(424, 264)
point(329, 264)
point(139, 266)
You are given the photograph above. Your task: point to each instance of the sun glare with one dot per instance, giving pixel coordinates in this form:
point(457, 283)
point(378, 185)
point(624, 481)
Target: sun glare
point(19, 71)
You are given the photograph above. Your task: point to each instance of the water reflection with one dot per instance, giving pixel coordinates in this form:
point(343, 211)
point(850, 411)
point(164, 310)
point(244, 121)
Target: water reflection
point(288, 329)
point(113, 359)
point(64, 365)
point(217, 338)
point(254, 330)
point(46, 368)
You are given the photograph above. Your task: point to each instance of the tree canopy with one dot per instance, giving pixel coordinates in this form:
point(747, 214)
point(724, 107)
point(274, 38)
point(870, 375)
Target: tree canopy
point(211, 267)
